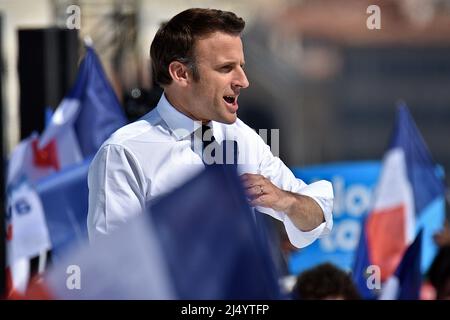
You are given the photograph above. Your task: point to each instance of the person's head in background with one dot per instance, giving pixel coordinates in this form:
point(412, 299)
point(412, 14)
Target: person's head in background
point(439, 273)
point(197, 58)
point(325, 282)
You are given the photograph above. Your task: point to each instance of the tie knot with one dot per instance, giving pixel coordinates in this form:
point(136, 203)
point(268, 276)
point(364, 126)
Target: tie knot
point(206, 129)
point(214, 153)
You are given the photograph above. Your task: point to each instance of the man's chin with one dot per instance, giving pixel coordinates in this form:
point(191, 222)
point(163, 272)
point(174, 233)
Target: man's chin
point(229, 120)
point(226, 119)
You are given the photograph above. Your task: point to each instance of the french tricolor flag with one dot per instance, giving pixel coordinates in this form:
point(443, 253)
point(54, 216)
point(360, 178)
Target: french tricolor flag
point(407, 197)
point(86, 117)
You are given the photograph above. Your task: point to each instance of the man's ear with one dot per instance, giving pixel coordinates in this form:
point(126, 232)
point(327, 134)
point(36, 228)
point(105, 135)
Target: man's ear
point(179, 73)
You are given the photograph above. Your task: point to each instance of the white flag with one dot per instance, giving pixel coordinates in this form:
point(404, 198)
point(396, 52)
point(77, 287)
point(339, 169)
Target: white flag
point(27, 229)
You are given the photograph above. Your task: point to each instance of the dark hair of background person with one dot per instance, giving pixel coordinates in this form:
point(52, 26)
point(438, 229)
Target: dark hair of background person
point(175, 39)
point(439, 273)
point(325, 281)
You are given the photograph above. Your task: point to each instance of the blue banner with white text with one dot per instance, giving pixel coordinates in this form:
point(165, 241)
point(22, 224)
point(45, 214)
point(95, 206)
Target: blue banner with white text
point(353, 184)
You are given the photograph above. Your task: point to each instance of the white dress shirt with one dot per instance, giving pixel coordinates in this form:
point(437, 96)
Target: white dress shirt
point(154, 155)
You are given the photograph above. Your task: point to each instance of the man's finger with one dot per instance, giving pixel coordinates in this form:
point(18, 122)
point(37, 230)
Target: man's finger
point(251, 176)
point(258, 201)
point(254, 190)
point(255, 179)
point(249, 185)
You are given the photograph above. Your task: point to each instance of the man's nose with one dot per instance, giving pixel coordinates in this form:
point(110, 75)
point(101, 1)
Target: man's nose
point(241, 80)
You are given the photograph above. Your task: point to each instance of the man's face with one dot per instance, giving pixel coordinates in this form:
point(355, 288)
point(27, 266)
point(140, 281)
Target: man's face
point(219, 59)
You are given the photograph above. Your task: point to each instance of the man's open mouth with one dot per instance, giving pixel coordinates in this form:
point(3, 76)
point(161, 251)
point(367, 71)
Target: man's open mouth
point(229, 99)
point(231, 103)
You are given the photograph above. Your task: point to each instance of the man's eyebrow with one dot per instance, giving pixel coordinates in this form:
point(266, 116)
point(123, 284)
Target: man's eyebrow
point(229, 63)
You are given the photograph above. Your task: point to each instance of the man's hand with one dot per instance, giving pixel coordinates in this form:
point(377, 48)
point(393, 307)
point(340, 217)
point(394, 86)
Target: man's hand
point(262, 192)
point(304, 212)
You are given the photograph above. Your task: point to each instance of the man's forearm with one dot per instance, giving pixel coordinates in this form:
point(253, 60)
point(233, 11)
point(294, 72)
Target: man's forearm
point(303, 211)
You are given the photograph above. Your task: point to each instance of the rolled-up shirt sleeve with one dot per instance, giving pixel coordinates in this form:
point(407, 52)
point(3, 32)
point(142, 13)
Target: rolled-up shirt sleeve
point(116, 190)
point(320, 191)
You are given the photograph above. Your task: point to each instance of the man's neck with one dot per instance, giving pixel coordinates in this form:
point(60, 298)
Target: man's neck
point(182, 106)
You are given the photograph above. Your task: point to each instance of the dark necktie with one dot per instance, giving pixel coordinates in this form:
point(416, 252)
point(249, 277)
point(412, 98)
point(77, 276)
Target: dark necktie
point(228, 149)
point(207, 139)
point(231, 146)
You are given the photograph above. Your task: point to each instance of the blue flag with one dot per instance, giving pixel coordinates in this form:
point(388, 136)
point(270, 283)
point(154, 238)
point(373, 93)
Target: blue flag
point(199, 241)
point(408, 272)
point(64, 197)
point(209, 237)
point(360, 275)
point(406, 282)
point(85, 118)
point(420, 166)
point(100, 112)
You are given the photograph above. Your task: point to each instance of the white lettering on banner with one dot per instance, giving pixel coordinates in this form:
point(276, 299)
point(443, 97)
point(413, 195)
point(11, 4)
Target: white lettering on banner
point(339, 195)
point(348, 235)
point(357, 200)
point(352, 201)
point(345, 236)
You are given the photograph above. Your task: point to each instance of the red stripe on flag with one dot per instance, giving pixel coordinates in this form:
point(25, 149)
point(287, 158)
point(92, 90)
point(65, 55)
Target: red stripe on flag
point(386, 238)
point(45, 157)
point(10, 291)
point(9, 232)
point(37, 290)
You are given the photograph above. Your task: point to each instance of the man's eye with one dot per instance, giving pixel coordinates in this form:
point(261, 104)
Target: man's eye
point(226, 69)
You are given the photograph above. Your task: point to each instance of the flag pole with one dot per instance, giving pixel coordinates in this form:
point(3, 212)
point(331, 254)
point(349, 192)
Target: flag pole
point(88, 41)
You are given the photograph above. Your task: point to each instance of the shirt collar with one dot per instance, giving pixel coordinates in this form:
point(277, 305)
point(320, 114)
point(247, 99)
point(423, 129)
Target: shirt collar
point(180, 124)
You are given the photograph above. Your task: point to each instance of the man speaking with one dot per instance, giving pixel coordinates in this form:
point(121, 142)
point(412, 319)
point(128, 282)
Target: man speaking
point(198, 60)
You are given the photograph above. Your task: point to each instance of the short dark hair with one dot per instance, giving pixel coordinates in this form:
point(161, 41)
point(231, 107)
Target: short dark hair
point(439, 273)
point(175, 40)
point(325, 281)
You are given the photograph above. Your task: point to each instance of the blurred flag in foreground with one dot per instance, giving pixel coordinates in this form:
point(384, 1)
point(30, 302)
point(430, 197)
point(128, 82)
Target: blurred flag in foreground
point(407, 198)
point(209, 237)
point(406, 281)
point(127, 264)
point(26, 230)
point(85, 118)
point(198, 242)
point(64, 197)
